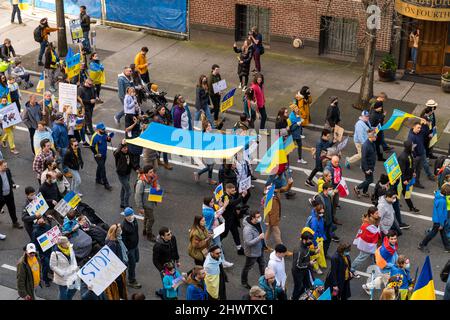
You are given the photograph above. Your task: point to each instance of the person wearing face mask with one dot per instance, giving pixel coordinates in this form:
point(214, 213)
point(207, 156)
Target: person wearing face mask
point(408, 167)
point(416, 136)
point(380, 188)
point(253, 246)
point(362, 128)
point(42, 226)
point(130, 237)
point(316, 223)
point(326, 199)
point(49, 191)
point(339, 276)
point(402, 271)
point(302, 266)
point(333, 117)
point(376, 117)
point(387, 213)
point(368, 161)
point(99, 146)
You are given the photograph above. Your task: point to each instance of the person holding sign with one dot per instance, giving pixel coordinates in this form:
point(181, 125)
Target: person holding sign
point(8, 133)
point(214, 77)
point(171, 281)
point(85, 23)
point(51, 64)
point(41, 227)
point(6, 193)
point(28, 273)
point(64, 265)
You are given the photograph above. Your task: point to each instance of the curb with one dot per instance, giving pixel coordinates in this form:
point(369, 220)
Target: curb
point(311, 126)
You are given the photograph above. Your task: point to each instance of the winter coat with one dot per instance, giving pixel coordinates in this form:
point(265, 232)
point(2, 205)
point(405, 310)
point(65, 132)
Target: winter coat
point(32, 115)
point(85, 22)
point(60, 136)
point(64, 269)
point(244, 68)
point(376, 118)
point(387, 214)
point(294, 128)
point(50, 192)
point(122, 85)
point(333, 115)
point(304, 106)
point(123, 162)
point(406, 162)
point(211, 80)
point(130, 104)
point(141, 193)
point(130, 234)
point(369, 156)
point(72, 161)
point(169, 291)
point(141, 63)
point(440, 209)
point(418, 140)
point(11, 184)
point(317, 225)
point(336, 276)
point(273, 292)
point(321, 145)
point(326, 201)
point(361, 134)
point(201, 98)
point(25, 282)
point(196, 290)
point(165, 251)
point(252, 243)
point(198, 243)
point(86, 94)
point(278, 266)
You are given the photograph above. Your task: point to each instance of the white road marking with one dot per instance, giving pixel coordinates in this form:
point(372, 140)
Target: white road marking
point(7, 266)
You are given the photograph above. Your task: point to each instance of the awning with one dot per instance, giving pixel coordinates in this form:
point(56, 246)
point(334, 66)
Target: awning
point(431, 10)
point(188, 143)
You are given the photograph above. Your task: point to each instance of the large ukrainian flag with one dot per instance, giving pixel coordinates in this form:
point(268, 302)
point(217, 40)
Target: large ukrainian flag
point(190, 143)
point(424, 289)
point(274, 156)
point(396, 120)
point(97, 73)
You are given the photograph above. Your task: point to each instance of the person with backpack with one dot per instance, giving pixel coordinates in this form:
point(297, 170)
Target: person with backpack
point(41, 36)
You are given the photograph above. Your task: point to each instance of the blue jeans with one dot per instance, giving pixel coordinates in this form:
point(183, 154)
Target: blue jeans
point(363, 256)
point(44, 45)
point(133, 258)
point(65, 293)
point(100, 174)
point(45, 261)
point(61, 153)
point(76, 181)
point(414, 56)
point(209, 169)
point(207, 113)
point(86, 43)
point(125, 191)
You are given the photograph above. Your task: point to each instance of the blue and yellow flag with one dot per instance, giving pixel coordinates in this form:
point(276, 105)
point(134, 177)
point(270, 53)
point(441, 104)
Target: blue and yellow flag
point(24, 4)
point(4, 91)
point(97, 73)
point(227, 100)
point(269, 200)
point(41, 84)
point(378, 128)
point(155, 195)
point(218, 192)
point(289, 145)
point(73, 64)
point(326, 295)
point(274, 156)
point(434, 138)
point(424, 288)
point(396, 120)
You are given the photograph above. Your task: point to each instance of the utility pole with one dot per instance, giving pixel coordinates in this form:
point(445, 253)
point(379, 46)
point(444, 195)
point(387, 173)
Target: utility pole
point(61, 23)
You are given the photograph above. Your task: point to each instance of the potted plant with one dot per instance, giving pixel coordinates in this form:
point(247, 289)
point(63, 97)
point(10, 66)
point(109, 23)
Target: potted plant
point(387, 68)
point(445, 82)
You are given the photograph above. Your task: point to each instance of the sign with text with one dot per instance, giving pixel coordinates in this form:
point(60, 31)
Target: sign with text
point(67, 96)
point(75, 31)
point(10, 115)
point(38, 206)
point(227, 101)
point(245, 184)
point(219, 86)
point(392, 168)
point(70, 201)
point(101, 270)
point(49, 239)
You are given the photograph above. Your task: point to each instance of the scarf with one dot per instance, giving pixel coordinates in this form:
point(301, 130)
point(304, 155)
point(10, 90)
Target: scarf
point(152, 182)
point(65, 251)
point(123, 249)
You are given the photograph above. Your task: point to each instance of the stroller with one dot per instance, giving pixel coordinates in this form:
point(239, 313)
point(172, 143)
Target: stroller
point(149, 94)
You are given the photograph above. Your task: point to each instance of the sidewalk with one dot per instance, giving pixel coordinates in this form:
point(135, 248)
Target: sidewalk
point(177, 65)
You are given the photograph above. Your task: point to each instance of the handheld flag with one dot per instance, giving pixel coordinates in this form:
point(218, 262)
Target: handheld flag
point(396, 120)
point(4, 91)
point(218, 192)
point(269, 201)
point(289, 145)
point(73, 63)
point(41, 84)
point(342, 188)
point(326, 295)
point(97, 73)
point(409, 188)
point(228, 100)
point(433, 139)
point(378, 128)
point(155, 195)
point(424, 288)
point(275, 156)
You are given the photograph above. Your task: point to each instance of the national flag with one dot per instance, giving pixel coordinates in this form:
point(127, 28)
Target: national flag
point(4, 91)
point(97, 73)
point(24, 4)
point(424, 288)
point(218, 192)
point(269, 201)
point(274, 156)
point(326, 295)
point(409, 188)
point(378, 128)
point(73, 63)
point(342, 188)
point(155, 195)
point(434, 138)
point(41, 84)
point(396, 120)
point(227, 100)
point(289, 145)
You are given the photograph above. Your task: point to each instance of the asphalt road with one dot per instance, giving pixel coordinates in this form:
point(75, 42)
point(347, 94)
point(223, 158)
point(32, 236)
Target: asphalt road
point(183, 199)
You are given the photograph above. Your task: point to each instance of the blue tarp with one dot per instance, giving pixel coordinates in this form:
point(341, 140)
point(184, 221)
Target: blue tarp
point(167, 15)
point(72, 7)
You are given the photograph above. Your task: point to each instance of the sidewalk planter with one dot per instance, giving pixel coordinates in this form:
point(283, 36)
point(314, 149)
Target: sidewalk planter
point(387, 69)
point(445, 82)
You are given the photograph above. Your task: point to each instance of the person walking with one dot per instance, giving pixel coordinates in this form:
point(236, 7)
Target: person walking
point(41, 36)
point(199, 240)
point(269, 284)
point(250, 105)
point(368, 161)
point(181, 114)
point(31, 116)
point(303, 101)
point(61, 138)
point(99, 146)
point(118, 289)
point(63, 263)
point(253, 246)
point(214, 77)
point(322, 145)
point(85, 23)
point(28, 273)
point(196, 286)
point(88, 97)
point(141, 63)
point(416, 137)
point(147, 180)
point(408, 168)
point(124, 81)
point(432, 120)
point(130, 237)
point(296, 130)
point(51, 64)
point(123, 170)
point(362, 128)
point(258, 91)
point(46, 154)
point(16, 10)
point(202, 101)
point(42, 226)
point(376, 118)
point(97, 75)
point(74, 162)
point(231, 215)
point(339, 276)
point(387, 213)
point(257, 40)
point(336, 176)
point(245, 58)
point(8, 133)
point(302, 266)
point(277, 264)
point(216, 277)
point(333, 116)
point(6, 193)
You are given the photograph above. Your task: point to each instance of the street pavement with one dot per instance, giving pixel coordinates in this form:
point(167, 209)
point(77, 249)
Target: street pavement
point(183, 199)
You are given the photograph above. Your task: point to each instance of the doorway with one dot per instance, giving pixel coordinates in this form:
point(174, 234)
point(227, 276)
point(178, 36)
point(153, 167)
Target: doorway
point(433, 45)
point(338, 36)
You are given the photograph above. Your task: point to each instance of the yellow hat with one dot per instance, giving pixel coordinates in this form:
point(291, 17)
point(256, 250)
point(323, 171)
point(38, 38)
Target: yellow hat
point(154, 87)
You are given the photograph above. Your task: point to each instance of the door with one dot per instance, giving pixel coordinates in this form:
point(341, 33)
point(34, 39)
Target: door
point(433, 36)
point(249, 16)
point(338, 36)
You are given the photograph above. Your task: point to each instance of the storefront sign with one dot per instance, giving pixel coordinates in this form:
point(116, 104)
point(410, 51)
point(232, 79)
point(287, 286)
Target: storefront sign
point(431, 10)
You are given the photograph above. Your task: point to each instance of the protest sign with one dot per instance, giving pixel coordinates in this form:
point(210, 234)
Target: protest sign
point(70, 201)
point(219, 230)
point(49, 239)
point(38, 206)
point(227, 101)
point(75, 30)
point(245, 184)
point(101, 270)
point(219, 86)
point(392, 168)
point(73, 63)
point(338, 133)
point(10, 115)
point(67, 96)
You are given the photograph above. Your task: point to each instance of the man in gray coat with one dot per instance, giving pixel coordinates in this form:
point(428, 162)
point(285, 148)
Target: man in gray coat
point(386, 211)
point(253, 246)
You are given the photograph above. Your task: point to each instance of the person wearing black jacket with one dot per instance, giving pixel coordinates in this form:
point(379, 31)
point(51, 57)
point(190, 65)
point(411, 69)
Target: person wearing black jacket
point(229, 174)
point(165, 249)
point(123, 170)
point(368, 160)
point(49, 191)
point(407, 166)
point(302, 266)
point(231, 216)
point(416, 136)
point(130, 237)
point(27, 219)
point(85, 23)
point(6, 193)
point(88, 96)
point(322, 145)
point(74, 161)
point(245, 58)
point(339, 276)
point(281, 121)
point(42, 226)
point(376, 117)
point(333, 113)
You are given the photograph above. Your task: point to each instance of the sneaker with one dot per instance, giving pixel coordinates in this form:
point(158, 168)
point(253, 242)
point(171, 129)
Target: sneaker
point(366, 195)
point(356, 275)
point(196, 177)
point(414, 210)
point(309, 184)
point(246, 286)
point(108, 187)
point(2, 236)
point(335, 239)
point(244, 89)
point(80, 195)
point(366, 289)
point(167, 166)
point(302, 136)
point(227, 264)
point(240, 85)
point(404, 226)
point(240, 251)
point(347, 163)
point(116, 121)
point(423, 248)
point(17, 225)
point(302, 161)
point(14, 151)
point(357, 192)
point(134, 285)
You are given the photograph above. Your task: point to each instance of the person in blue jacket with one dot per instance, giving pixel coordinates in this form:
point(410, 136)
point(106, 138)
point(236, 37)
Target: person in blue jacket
point(170, 287)
point(440, 219)
point(60, 137)
point(322, 145)
point(362, 128)
point(401, 270)
point(99, 146)
point(269, 284)
point(196, 289)
point(296, 130)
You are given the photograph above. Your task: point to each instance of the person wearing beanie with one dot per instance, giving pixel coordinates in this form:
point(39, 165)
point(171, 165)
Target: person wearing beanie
point(99, 146)
point(269, 284)
point(130, 237)
point(277, 264)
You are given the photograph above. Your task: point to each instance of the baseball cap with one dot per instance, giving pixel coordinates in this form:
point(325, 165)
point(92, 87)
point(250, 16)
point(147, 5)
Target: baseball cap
point(31, 248)
point(100, 126)
point(365, 113)
point(128, 212)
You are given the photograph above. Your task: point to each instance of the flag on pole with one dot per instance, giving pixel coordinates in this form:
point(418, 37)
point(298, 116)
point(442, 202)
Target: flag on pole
point(396, 120)
point(97, 72)
point(433, 139)
point(73, 63)
point(289, 145)
point(378, 128)
point(424, 288)
point(218, 192)
point(342, 188)
point(326, 295)
point(41, 84)
point(269, 200)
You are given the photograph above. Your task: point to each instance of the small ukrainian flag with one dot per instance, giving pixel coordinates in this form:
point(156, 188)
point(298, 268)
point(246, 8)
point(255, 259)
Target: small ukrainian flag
point(269, 200)
point(218, 192)
point(155, 195)
point(41, 84)
point(424, 288)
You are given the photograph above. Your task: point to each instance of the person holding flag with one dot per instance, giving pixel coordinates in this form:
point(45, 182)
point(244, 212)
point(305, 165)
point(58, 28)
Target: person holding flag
point(51, 64)
point(401, 270)
point(376, 119)
point(336, 178)
point(97, 74)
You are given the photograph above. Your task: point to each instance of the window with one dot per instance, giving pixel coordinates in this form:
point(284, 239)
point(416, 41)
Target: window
point(250, 16)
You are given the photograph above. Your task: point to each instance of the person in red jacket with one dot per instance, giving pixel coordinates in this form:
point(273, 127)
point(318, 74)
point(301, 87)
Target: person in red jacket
point(258, 89)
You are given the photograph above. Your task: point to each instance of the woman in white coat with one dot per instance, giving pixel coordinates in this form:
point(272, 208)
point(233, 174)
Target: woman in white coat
point(64, 266)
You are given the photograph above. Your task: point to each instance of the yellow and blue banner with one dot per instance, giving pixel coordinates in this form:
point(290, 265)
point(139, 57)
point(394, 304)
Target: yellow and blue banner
point(392, 168)
point(73, 63)
point(396, 120)
point(433, 139)
point(41, 84)
point(378, 128)
point(274, 156)
point(97, 72)
point(424, 288)
point(227, 100)
point(218, 192)
point(72, 199)
point(155, 195)
point(191, 143)
point(289, 145)
point(269, 200)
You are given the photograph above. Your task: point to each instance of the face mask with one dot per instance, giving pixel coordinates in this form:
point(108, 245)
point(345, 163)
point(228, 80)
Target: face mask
point(407, 266)
point(330, 193)
point(321, 214)
point(347, 253)
point(394, 200)
point(259, 220)
point(130, 218)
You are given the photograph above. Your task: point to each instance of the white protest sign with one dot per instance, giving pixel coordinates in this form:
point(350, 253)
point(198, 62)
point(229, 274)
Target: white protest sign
point(67, 96)
point(219, 86)
point(245, 184)
point(101, 270)
point(37, 206)
point(70, 201)
point(10, 116)
point(49, 239)
point(219, 230)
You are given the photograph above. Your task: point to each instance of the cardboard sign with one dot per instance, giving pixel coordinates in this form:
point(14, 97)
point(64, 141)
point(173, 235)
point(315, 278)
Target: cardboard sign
point(37, 206)
point(338, 133)
point(392, 168)
point(69, 202)
point(227, 101)
point(75, 31)
point(219, 86)
point(49, 239)
point(67, 96)
point(10, 115)
point(219, 230)
point(101, 270)
point(245, 184)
